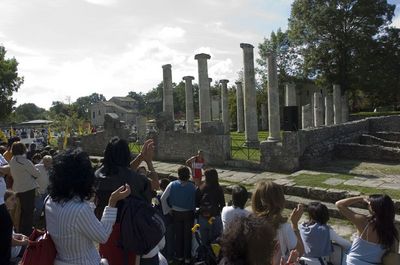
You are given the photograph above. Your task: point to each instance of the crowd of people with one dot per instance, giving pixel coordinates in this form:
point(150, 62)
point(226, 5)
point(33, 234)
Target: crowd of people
point(84, 210)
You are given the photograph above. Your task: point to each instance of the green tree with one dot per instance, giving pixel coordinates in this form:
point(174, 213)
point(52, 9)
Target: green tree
point(82, 104)
point(336, 37)
point(29, 111)
point(139, 97)
point(10, 82)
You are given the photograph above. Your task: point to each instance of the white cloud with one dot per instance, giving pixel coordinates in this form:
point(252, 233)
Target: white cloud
point(171, 33)
point(396, 22)
point(102, 2)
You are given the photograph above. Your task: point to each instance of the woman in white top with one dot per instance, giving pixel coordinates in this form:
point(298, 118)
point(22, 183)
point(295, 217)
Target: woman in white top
point(70, 219)
point(24, 174)
point(268, 201)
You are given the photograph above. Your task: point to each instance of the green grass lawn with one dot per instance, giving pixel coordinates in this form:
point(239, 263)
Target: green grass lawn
point(240, 152)
point(318, 181)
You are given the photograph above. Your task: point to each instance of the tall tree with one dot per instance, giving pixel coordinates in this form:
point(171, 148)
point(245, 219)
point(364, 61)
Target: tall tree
point(336, 36)
point(10, 82)
point(139, 97)
point(29, 111)
point(82, 104)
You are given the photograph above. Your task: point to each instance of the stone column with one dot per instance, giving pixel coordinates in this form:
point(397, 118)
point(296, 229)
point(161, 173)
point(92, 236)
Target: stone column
point(306, 121)
point(318, 110)
point(168, 98)
point(215, 108)
point(189, 104)
point(273, 99)
point(345, 107)
point(290, 94)
point(264, 119)
point(204, 87)
point(239, 107)
point(329, 109)
point(141, 128)
point(250, 104)
point(224, 105)
point(337, 106)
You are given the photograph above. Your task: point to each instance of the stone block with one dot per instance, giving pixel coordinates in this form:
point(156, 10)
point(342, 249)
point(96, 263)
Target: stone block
point(212, 127)
point(301, 191)
point(334, 195)
point(317, 193)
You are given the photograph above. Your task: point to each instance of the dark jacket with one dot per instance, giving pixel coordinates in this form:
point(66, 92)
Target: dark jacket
point(105, 185)
point(210, 200)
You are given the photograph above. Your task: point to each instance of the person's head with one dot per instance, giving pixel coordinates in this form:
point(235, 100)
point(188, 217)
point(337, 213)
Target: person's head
point(239, 196)
point(142, 170)
point(36, 158)
point(18, 148)
point(183, 173)
point(211, 176)
point(164, 183)
point(47, 161)
point(44, 153)
point(116, 155)
point(382, 209)
point(10, 199)
point(33, 147)
point(71, 176)
point(318, 212)
point(200, 153)
point(11, 141)
point(268, 200)
point(248, 241)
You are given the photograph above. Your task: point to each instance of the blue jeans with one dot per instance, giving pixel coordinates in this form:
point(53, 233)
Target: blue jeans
point(39, 207)
point(210, 232)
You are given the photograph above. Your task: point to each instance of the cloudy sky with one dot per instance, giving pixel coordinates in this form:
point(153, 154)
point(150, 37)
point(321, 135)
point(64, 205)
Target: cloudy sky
point(72, 48)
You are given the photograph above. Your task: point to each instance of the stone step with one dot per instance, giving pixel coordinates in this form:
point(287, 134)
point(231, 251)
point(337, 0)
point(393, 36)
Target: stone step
point(318, 194)
point(293, 201)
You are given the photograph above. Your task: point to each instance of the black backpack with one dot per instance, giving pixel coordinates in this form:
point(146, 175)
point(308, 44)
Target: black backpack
point(142, 227)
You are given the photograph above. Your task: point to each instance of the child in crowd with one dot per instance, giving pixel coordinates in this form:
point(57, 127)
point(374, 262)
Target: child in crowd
point(236, 210)
point(179, 199)
point(318, 236)
point(210, 200)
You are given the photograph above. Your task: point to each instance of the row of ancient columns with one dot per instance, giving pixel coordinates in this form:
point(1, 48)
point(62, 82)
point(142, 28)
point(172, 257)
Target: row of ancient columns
point(245, 97)
point(333, 109)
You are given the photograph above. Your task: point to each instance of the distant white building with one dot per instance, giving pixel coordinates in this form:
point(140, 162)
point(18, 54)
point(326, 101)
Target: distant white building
point(125, 107)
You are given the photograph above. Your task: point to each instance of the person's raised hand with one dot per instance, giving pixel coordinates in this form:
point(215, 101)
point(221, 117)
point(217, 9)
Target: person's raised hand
point(296, 214)
point(119, 194)
point(147, 150)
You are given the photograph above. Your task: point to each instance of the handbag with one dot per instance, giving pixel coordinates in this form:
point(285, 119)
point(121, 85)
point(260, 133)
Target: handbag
point(41, 249)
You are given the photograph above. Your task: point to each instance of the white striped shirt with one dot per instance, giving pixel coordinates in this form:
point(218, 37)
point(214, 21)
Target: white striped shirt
point(74, 228)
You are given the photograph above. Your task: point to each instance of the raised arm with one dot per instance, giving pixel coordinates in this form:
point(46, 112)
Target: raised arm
point(190, 161)
point(294, 220)
point(146, 152)
point(359, 220)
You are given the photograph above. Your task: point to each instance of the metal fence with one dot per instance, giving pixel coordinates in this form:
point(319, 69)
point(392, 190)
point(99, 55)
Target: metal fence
point(240, 151)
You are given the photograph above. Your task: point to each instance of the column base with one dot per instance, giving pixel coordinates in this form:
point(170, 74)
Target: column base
point(273, 139)
point(252, 144)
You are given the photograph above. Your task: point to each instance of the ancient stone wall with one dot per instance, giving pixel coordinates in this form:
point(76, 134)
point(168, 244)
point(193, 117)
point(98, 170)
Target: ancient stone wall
point(179, 146)
point(367, 152)
point(312, 147)
point(366, 139)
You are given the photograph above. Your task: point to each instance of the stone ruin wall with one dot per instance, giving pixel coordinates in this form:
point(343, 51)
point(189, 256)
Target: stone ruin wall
point(312, 147)
point(179, 146)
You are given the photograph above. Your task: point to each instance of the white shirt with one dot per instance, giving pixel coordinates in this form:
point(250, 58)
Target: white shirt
point(230, 213)
point(43, 179)
point(287, 239)
point(24, 174)
point(74, 228)
point(2, 189)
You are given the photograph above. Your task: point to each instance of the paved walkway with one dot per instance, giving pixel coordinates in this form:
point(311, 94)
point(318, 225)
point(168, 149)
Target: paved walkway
point(349, 173)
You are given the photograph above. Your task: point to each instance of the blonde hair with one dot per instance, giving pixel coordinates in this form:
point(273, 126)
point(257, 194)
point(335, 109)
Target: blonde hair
point(268, 201)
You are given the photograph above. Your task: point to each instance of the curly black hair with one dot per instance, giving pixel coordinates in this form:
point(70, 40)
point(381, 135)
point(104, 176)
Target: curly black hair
point(71, 176)
point(248, 241)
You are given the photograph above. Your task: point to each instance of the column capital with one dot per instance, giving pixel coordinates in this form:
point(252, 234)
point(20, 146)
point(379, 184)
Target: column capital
point(188, 78)
point(224, 81)
point(238, 83)
point(246, 46)
point(166, 66)
point(202, 56)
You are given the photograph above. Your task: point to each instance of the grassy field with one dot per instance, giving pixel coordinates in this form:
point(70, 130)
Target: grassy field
point(318, 181)
point(240, 152)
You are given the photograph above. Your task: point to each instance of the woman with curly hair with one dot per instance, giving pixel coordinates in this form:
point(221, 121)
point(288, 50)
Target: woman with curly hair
point(70, 220)
point(268, 202)
point(376, 232)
